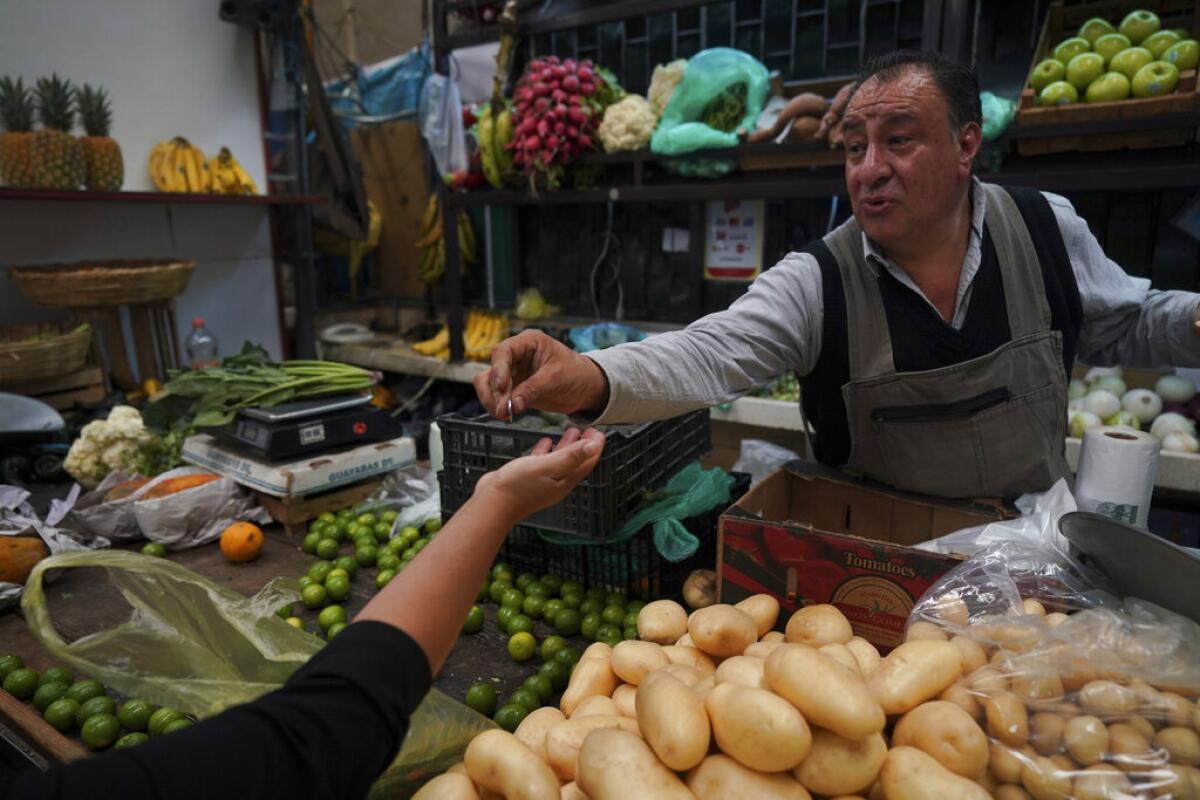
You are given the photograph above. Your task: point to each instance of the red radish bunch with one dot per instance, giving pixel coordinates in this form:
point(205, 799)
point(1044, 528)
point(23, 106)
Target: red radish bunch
point(555, 113)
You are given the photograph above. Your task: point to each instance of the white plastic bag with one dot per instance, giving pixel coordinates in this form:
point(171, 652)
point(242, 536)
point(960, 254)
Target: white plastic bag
point(195, 516)
point(442, 125)
point(1037, 525)
point(761, 458)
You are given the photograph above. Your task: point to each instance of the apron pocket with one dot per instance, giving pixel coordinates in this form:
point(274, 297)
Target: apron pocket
point(943, 412)
point(1024, 442)
point(942, 457)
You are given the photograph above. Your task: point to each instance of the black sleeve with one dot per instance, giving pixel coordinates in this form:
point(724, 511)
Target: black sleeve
point(328, 732)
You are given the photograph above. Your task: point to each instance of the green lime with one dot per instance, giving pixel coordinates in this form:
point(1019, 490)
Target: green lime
point(609, 634)
point(327, 548)
point(539, 684)
point(527, 698)
point(319, 571)
point(366, 556)
point(337, 572)
point(518, 624)
point(82, 691)
point(553, 581)
point(408, 555)
point(387, 560)
point(331, 615)
point(481, 697)
point(285, 611)
point(130, 740)
point(61, 714)
point(533, 606)
point(335, 629)
point(177, 725)
point(134, 715)
point(630, 620)
point(568, 656)
point(630, 633)
point(572, 600)
point(419, 544)
point(616, 599)
point(474, 622)
point(389, 516)
point(588, 626)
point(345, 513)
point(366, 518)
point(305, 580)
point(57, 675)
point(556, 672)
point(101, 704)
point(503, 572)
point(504, 614)
point(538, 589)
point(566, 622)
point(591, 606)
point(47, 693)
point(433, 525)
point(347, 563)
point(337, 533)
point(100, 731)
point(409, 535)
point(365, 541)
point(635, 606)
point(382, 531)
point(552, 607)
point(155, 549)
point(160, 718)
point(21, 683)
point(524, 579)
point(356, 531)
point(522, 646)
point(384, 577)
point(498, 588)
point(295, 622)
point(513, 598)
point(614, 615)
point(509, 716)
point(485, 592)
point(596, 592)
point(326, 516)
point(309, 545)
point(570, 587)
point(338, 588)
point(314, 596)
point(397, 545)
point(550, 646)
point(8, 664)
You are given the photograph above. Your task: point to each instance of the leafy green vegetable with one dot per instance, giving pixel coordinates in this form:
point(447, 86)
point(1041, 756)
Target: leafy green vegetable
point(726, 110)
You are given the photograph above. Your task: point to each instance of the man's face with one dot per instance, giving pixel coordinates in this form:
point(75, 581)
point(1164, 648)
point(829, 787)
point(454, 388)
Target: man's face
point(905, 169)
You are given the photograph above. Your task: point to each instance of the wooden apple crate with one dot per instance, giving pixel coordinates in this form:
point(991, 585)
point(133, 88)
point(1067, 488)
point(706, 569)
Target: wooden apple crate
point(294, 513)
point(1174, 108)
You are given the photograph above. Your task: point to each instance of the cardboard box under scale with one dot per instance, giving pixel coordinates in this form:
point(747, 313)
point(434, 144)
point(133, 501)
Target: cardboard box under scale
point(808, 534)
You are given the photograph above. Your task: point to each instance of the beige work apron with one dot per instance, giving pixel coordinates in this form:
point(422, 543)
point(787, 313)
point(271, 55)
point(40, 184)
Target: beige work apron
point(993, 426)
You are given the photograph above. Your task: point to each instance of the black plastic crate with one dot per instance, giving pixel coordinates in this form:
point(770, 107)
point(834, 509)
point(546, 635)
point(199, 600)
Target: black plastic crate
point(633, 566)
point(636, 459)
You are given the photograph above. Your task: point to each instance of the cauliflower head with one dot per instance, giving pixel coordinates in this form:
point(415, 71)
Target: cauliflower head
point(663, 82)
point(105, 445)
point(627, 124)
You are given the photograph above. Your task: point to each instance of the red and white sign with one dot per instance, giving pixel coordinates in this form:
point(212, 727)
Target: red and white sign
point(733, 240)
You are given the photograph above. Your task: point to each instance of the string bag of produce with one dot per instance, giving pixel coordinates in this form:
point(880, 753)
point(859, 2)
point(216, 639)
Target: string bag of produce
point(721, 92)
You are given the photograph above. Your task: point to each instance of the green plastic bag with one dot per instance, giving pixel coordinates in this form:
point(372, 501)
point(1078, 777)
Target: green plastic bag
point(715, 81)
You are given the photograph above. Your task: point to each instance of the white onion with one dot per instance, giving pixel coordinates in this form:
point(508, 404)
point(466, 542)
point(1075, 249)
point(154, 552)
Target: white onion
point(1171, 422)
point(1075, 405)
point(1101, 403)
point(1143, 404)
point(1110, 383)
point(1096, 373)
point(1081, 422)
point(1076, 389)
point(1181, 443)
point(1174, 389)
point(1123, 419)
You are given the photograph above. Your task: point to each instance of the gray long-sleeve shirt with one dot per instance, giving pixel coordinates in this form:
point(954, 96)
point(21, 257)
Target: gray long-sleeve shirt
point(776, 327)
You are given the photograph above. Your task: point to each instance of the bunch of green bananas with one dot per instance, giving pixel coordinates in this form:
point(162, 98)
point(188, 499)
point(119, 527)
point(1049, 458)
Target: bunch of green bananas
point(495, 133)
point(432, 243)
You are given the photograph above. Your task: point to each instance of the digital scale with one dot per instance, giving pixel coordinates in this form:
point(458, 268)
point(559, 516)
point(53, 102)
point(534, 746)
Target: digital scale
point(308, 427)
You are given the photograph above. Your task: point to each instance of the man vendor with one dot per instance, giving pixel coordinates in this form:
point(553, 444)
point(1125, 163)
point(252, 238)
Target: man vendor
point(934, 331)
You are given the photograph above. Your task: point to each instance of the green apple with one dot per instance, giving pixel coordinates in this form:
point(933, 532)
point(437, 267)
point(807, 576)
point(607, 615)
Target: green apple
point(1094, 28)
point(1159, 43)
point(1139, 24)
point(1154, 79)
point(1046, 73)
point(1184, 33)
point(1108, 87)
point(1129, 61)
point(1110, 44)
point(1058, 93)
point(1085, 68)
point(1185, 54)
point(1069, 48)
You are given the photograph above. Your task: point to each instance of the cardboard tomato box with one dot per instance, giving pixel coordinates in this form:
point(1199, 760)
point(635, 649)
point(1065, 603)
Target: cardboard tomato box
point(808, 534)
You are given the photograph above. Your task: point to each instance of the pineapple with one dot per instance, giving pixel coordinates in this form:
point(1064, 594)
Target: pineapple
point(16, 111)
point(101, 153)
point(57, 156)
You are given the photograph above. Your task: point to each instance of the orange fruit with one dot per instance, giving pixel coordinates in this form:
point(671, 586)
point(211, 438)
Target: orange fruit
point(241, 541)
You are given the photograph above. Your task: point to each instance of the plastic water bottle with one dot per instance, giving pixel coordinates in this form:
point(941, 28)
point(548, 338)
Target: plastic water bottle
point(202, 346)
point(436, 456)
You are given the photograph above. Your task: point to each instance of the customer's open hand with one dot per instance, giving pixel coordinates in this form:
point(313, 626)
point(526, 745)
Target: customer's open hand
point(544, 477)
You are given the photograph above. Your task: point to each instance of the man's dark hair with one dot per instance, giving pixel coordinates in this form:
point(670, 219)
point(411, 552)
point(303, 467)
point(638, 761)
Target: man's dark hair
point(956, 82)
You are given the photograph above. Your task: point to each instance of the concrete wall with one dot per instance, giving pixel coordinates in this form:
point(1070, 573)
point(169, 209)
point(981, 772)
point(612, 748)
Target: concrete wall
point(171, 67)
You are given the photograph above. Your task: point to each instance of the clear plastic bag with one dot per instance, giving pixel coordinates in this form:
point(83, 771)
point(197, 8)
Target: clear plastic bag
point(760, 458)
point(1037, 525)
point(1080, 695)
point(442, 124)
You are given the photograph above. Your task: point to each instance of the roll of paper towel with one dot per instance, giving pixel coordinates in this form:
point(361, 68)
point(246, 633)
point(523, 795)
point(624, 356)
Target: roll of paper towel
point(1116, 473)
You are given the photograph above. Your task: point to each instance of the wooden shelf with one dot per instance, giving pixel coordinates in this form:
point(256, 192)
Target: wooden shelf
point(170, 198)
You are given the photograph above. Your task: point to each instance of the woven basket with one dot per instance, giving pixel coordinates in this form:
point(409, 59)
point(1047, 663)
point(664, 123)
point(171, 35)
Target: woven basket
point(103, 283)
point(34, 352)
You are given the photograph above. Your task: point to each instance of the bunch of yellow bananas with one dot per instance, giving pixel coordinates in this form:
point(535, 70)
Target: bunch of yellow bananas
point(484, 331)
point(228, 177)
point(176, 165)
point(433, 246)
point(494, 135)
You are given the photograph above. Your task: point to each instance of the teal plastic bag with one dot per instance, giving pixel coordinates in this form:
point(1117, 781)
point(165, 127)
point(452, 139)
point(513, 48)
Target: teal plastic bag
point(704, 110)
point(998, 114)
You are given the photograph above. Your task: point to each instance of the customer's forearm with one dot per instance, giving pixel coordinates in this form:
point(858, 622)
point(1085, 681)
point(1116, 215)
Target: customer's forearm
point(429, 600)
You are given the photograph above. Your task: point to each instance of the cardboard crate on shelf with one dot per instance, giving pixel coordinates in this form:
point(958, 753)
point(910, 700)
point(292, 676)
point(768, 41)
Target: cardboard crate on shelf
point(1064, 21)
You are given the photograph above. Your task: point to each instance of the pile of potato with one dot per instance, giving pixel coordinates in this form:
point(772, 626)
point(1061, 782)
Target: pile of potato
point(720, 706)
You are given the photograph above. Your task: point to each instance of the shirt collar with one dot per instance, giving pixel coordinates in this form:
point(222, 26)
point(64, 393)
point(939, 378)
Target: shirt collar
point(876, 258)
